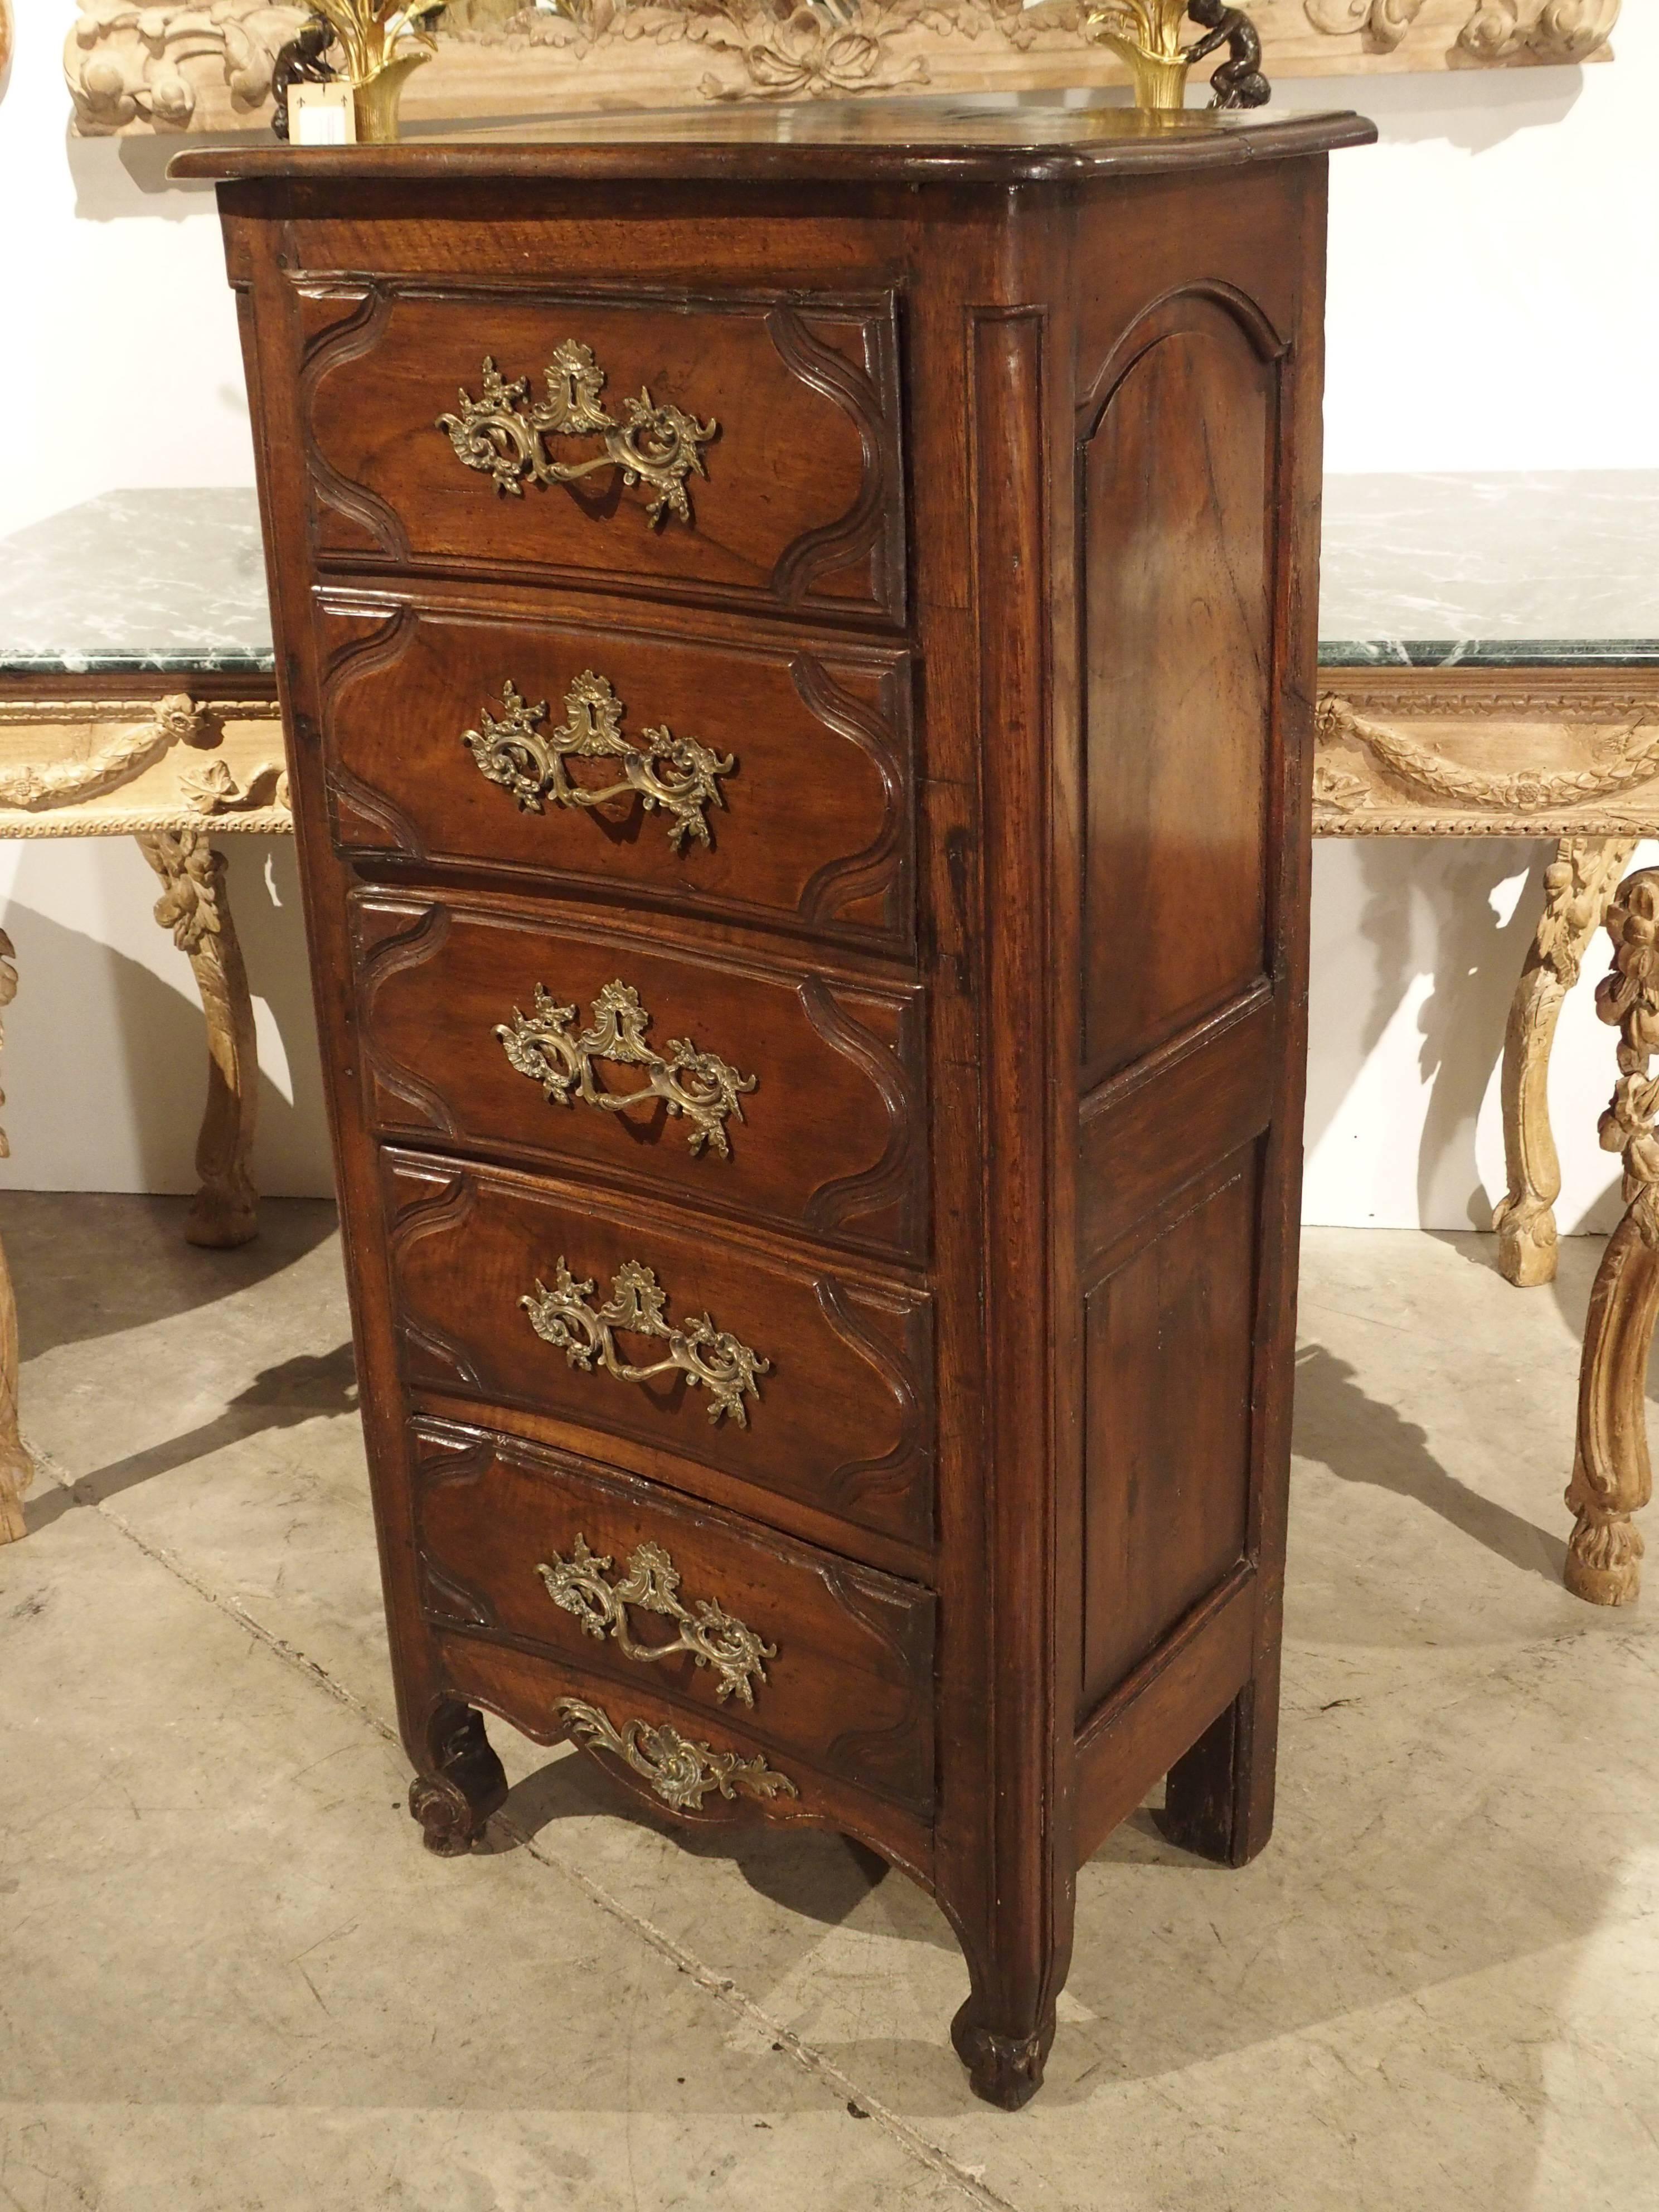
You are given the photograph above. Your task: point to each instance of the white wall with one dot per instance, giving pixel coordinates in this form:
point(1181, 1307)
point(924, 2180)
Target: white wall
point(1489, 309)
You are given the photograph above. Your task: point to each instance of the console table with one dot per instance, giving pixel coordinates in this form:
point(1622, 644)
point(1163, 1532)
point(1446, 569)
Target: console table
point(1491, 669)
point(137, 698)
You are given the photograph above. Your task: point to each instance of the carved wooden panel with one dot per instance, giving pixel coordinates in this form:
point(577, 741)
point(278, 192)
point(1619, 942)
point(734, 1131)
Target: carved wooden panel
point(841, 1417)
point(175, 65)
point(846, 1681)
point(1166, 1465)
point(1488, 753)
point(800, 503)
point(812, 826)
point(1176, 464)
point(828, 1140)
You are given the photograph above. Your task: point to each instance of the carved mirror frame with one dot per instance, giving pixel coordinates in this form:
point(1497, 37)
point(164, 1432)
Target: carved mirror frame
point(173, 65)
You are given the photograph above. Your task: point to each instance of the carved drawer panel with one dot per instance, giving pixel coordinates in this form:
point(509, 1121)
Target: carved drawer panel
point(597, 1051)
point(740, 449)
point(816, 1658)
point(760, 781)
point(684, 1346)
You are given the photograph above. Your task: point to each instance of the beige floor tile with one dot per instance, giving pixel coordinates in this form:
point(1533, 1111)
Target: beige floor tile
point(1439, 1987)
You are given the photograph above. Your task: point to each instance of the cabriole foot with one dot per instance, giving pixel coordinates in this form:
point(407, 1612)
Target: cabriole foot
point(1604, 1559)
point(1004, 2070)
point(453, 1804)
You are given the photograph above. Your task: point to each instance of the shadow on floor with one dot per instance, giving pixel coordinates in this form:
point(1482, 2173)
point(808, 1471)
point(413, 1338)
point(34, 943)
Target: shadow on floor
point(809, 1871)
point(1360, 1439)
point(281, 1397)
point(127, 1264)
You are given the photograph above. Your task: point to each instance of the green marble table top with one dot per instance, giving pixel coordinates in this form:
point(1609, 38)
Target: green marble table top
point(1548, 570)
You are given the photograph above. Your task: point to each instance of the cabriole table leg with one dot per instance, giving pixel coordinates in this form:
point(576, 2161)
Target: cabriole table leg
point(1579, 885)
point(196, 908)
point(1612, 1478)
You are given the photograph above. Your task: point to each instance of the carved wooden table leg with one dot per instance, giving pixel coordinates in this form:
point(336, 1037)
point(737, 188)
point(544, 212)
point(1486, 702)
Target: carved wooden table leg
point(1579, 885)
point(15, 1472)
point(194, 907)
point(1612, 1479)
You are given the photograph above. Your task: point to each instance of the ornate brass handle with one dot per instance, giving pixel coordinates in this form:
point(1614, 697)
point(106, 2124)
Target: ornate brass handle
point(676, 774)
point(681, 1772)
point(695, 1083)
point(503, 435)
point(703, 1353)
point(711, 1635)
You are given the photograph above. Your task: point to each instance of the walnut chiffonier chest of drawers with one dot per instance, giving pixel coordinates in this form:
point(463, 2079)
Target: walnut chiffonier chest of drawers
point(797, 636)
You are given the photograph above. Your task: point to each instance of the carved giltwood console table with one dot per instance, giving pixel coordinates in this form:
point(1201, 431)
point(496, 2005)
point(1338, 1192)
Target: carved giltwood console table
point(1530, 708)
point(174, 740)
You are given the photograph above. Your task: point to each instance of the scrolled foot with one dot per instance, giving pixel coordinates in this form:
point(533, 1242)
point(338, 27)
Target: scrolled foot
point(222, 1220)
point(1527, 1245)
point(453, 1805)
point(1604, 1559)
point(1003, 2069)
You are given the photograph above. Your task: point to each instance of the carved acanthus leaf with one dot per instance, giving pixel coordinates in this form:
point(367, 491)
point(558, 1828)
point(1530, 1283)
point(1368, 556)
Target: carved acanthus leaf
point(206, 65)
point(1577, 885)
point(156, 65)
point(1385, 22)
point(1562, 31)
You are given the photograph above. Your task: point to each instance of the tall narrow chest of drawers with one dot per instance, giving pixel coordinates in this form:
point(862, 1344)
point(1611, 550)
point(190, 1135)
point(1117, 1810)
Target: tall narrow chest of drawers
point(796, 636)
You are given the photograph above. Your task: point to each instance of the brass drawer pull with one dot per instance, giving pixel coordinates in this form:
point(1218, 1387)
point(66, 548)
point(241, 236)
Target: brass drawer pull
point(675, 773)
point(693, 1084)
point(703, 1353)
point(681, 1772)
point(504, 436)
point(713, 1637)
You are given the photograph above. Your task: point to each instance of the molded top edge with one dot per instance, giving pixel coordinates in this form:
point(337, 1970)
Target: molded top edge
point(944, 140)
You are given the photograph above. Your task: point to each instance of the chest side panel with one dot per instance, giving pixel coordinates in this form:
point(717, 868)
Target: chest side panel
point(1190, 528)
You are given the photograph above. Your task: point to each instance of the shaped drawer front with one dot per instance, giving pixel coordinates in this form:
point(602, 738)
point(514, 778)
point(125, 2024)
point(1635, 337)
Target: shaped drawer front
point(677, 1345)
point(816, 1657)
point(763, 782)
point(740, 449)
point(750, 1090)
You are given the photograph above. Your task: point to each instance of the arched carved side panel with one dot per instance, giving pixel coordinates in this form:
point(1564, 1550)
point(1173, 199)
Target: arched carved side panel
point(1177, 460)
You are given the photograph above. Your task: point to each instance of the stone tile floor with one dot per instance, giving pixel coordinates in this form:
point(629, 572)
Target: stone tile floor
point(230, 1978)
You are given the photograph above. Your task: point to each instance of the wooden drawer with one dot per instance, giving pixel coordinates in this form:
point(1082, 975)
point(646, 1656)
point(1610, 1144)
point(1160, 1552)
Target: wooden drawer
point(824, 1660)
point(813, 1385)
point(771, 1094)
point(795, 812)
point(766, 456)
